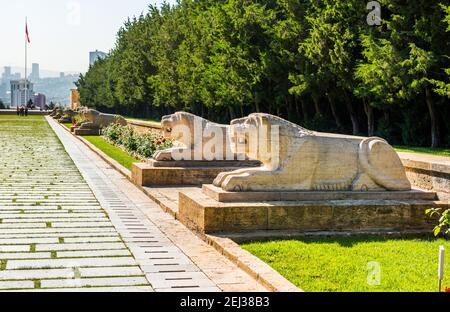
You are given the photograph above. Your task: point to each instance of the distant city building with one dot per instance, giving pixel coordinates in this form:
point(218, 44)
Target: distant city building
point(35, 75)
point(39, 101)
point(74, 99)
point(62, 74)
point(6, 76)
point(5, 97)
point(16, 76)
point(21, 92)
point(96, 55)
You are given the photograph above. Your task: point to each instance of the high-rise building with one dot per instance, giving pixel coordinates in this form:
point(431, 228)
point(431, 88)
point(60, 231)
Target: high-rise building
point(96, 55)
point(34, 76)
point(4, 85)
point(6, 76)
point(62, 74)
point(21, 92)
point(39, 101)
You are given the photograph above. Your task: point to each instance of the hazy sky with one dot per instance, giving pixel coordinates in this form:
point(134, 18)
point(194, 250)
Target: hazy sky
point(62, 32)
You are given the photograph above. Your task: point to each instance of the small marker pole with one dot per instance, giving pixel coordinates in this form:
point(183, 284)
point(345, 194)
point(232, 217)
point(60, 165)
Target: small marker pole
point(441, 267)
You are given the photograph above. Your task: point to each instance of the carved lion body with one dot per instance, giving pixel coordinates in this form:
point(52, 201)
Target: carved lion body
point(308, 161)
point(195, 133)
point(93, 119)
point(57, 113)
point(67, 116)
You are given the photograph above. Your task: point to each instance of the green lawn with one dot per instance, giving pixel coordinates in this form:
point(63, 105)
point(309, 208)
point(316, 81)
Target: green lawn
point(424, 150)
point(341, 264)
point(143, 119)
point(115, 153)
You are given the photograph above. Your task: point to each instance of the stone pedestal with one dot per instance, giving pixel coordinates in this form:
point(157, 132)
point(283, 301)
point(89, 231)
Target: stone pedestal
point(220, 195)
point(155, 173)
point(204, 214)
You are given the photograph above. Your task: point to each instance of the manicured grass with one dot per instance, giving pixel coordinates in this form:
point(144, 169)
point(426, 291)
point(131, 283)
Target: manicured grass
point(115, 153)
point(341, 264)
point(424, 150)
point(143, 119)
point(67, 125)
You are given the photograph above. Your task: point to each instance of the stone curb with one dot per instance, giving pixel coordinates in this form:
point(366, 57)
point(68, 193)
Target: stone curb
point(256, 268)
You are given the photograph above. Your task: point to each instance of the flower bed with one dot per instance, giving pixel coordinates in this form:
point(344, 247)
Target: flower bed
point(142, 146)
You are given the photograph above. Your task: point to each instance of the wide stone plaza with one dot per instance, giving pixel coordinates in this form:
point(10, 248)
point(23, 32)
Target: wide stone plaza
point(69, 222)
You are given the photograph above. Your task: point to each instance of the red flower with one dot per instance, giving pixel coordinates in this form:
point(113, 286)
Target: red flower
point(447, 289)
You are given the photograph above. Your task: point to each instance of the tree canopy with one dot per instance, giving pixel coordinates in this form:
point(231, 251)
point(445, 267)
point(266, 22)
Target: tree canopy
point(314, 62)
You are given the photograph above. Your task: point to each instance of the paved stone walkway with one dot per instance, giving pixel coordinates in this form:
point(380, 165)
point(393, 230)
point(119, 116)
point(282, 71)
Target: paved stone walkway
point(171, 257)
point(53, 232)
point(75, 224)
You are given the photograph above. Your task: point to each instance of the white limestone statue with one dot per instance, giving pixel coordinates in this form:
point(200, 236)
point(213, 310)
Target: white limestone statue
point(303, 160)
point(93, 119)
point(198, 139)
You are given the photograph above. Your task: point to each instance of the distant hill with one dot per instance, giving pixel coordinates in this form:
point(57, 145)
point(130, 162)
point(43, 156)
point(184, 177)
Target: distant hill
point(43, 72)
point(56, 89)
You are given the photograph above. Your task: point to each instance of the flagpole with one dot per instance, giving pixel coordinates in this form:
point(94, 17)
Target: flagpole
point(26, 61)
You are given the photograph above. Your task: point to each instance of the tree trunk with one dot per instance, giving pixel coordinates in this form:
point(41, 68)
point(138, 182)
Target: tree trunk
point(435, 134)
point(370, 118)
point(231, 111)
point(337, 119)
point(297, 108)
point(257, 109)
point(288, 107)
point(305, 111)
point(353, 116)
point(317, 105)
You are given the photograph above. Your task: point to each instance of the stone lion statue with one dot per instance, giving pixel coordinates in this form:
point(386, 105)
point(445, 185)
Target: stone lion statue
point(53, 112)
point(303, 160)
point(57, 113)
point(93, 119)
point(195, 135)
point(67, 116)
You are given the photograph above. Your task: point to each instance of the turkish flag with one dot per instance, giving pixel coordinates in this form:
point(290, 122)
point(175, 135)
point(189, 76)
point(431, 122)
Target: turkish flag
point(26, 32)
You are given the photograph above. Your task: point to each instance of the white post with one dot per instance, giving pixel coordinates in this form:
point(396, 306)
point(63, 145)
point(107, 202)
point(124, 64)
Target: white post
point(441, 267)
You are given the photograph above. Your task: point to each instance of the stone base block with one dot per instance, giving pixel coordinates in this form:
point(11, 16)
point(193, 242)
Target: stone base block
point(220, 195)
point(144, 174)
point(236, 164)
point(84, 132)
point(203, 214)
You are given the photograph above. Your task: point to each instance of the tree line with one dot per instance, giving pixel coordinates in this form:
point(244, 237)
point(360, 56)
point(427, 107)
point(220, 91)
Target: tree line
point(315, 62)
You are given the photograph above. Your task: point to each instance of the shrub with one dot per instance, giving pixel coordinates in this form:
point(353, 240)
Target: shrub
point(443, 226)
point(143, 145)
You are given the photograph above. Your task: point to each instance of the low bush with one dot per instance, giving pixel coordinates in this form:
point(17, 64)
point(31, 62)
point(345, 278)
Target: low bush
point(141, 145)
